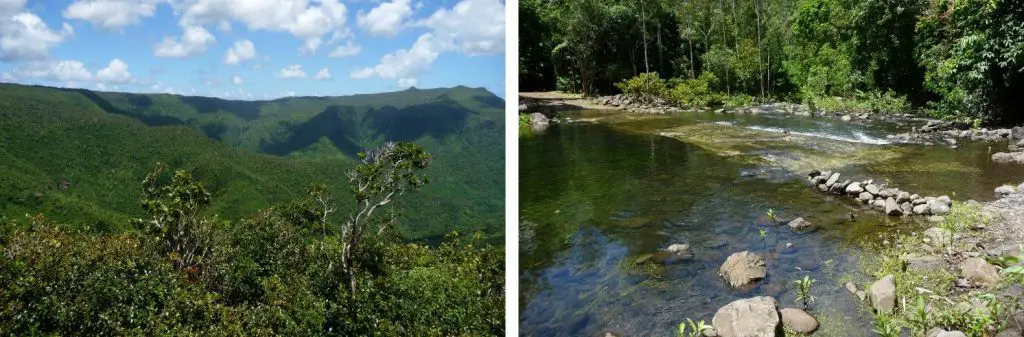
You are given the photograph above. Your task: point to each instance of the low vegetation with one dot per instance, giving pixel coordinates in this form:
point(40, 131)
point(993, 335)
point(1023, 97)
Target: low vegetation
point(928, 299)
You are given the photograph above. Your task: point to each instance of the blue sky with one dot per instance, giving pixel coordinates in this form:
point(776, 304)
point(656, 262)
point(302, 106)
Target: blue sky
point(253, 49)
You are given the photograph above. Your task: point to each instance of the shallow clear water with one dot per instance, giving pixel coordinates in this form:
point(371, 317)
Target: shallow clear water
point(596, 196)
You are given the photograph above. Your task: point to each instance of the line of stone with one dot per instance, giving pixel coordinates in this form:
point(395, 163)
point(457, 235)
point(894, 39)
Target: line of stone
point(892, 201)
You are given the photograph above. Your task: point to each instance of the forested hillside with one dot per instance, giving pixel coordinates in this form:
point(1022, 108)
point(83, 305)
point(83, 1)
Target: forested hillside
point(74, 154)
point(953, 59)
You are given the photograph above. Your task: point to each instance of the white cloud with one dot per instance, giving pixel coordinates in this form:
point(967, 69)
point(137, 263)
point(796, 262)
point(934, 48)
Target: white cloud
point(406, 82)
point(58, 71)
point(115, 72)
point(473, 27)
point(111, 14)
point(324, 74)
point(307, 20)
point(237, 80)
point(193, 42)
point(99, 86)
point(292, 71)
point(241, 51)
point(24, 36)
point(346, 50)
point(403, 63)
point(8, 7)
point(386, 19)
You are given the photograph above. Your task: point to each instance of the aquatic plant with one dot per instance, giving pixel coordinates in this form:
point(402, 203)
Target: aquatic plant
point(803, 290)
point(696, 329)
point(771, 215)
point(763, 233)
point(886, 325)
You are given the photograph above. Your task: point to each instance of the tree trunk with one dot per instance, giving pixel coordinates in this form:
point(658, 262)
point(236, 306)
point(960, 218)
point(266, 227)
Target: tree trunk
point(643, 25)
point(760, 57)
point(721, 7)
point(689, 38)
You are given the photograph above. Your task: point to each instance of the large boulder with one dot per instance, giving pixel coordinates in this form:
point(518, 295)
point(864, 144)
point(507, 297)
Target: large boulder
point(883, 294)
point(751, 317)
point(538, 119)
point(937, 207)
point(978, 271)
point(1009, 157)
point(742, 268)
point(798, 320)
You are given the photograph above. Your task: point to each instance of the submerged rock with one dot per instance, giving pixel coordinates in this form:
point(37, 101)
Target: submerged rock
point(742, 268)
point(1009, 157)
point(883, 294)
point(752, 317)
point(799, 223)
point(798, 320)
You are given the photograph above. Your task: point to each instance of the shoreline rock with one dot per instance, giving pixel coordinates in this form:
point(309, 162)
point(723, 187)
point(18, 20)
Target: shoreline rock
point(891, 201)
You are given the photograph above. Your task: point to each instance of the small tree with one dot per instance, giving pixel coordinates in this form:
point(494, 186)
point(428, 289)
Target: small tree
point(385, 173)
point(174, 218)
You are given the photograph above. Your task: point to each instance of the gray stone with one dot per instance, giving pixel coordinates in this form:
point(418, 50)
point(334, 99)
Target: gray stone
point(832, 180)
point(852, 288)
point(679, 249)
point(864, 197)
point(742, 268)
point(907, 208)
point(951, 334)
point(921, 209)
point(892, 208)
point(854, 188)
point(871, 188)
point(878, 204)
point(938, 237)
point(887, 193)
point(846, 118)
point(903, 197)
point(752, 317)
point(798, 320)
point(1009, 157)
point(938, 208)
point(917, 201)
point(978, 271)
point(1004, 190)
point(883, 294)
point(799, 223)
point(945, 200)
point(925, 263)
point(538, 119)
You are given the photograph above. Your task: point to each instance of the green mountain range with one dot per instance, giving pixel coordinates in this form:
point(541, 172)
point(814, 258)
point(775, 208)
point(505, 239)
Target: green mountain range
point(78, 156)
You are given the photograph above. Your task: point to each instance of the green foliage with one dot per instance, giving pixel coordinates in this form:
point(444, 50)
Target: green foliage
point(875, 102)
point(696, 329)
point(803, 290)
point(886, 325)
point(771, 215)
point(175, 218)
point(644, 86)
point(740, 100)
point(696, 92)
point(278, 275)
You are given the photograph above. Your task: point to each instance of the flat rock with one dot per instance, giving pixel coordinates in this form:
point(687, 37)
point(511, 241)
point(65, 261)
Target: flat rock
point(1004, 190)
point(1009, 157)
point(742, 268)
point(832, 180)
point(852, 288)
point(921, 209)
point(938, 208)
point(883, 294)
point(798, 320)
point(854, 188)
point(751, 317)
point(925, 263)
point(938, 237)
point(864, 197)
point(978, 271)
point(871, 188)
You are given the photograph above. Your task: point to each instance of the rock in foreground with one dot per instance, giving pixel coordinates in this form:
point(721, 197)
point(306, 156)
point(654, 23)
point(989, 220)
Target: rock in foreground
point(883, 294)
point(752, 317)
point(798, 320)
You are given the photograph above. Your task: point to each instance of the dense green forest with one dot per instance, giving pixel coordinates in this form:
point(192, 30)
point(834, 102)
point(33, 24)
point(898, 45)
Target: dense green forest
point(950, 58)
point(74, 154)
point(300, 268)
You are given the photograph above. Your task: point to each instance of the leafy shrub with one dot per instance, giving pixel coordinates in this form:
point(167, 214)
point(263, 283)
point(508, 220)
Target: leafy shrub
point(696, 92)
point(645, 86)
point(878, 102)
point(739, 100)
point(569, 84)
